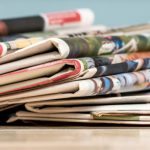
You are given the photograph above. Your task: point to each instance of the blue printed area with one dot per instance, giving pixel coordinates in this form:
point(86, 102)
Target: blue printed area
point(118, 42)
point(108, 12)
point(107, 85)
point(131, 65)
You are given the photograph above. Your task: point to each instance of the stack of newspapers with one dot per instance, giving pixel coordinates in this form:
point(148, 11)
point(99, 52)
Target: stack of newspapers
point(60, 68)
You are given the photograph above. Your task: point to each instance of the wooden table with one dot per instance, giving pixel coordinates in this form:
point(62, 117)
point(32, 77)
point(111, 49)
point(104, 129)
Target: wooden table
point(71, 138)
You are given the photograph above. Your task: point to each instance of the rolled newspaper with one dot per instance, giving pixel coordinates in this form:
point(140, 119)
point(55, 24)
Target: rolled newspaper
point(47, 21)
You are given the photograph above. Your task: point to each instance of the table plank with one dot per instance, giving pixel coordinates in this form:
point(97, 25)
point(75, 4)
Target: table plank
point(108, 138)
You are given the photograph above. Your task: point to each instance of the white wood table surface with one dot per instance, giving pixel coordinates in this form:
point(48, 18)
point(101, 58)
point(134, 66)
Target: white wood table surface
point(45, 138)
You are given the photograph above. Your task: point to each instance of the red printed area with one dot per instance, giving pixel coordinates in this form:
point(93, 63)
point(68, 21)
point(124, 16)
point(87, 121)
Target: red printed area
point(55, 79)
point(3, 28)
point(63, 18)
point(138, 55)
point(1, 50)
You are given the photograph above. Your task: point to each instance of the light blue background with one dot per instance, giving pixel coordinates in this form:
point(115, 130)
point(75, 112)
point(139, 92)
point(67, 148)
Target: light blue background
point(108, 12)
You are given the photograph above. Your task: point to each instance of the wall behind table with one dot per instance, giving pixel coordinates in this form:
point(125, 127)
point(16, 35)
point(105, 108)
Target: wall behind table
point(108, 12)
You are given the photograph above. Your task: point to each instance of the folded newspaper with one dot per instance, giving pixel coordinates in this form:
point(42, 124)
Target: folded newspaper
point(58, 68)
